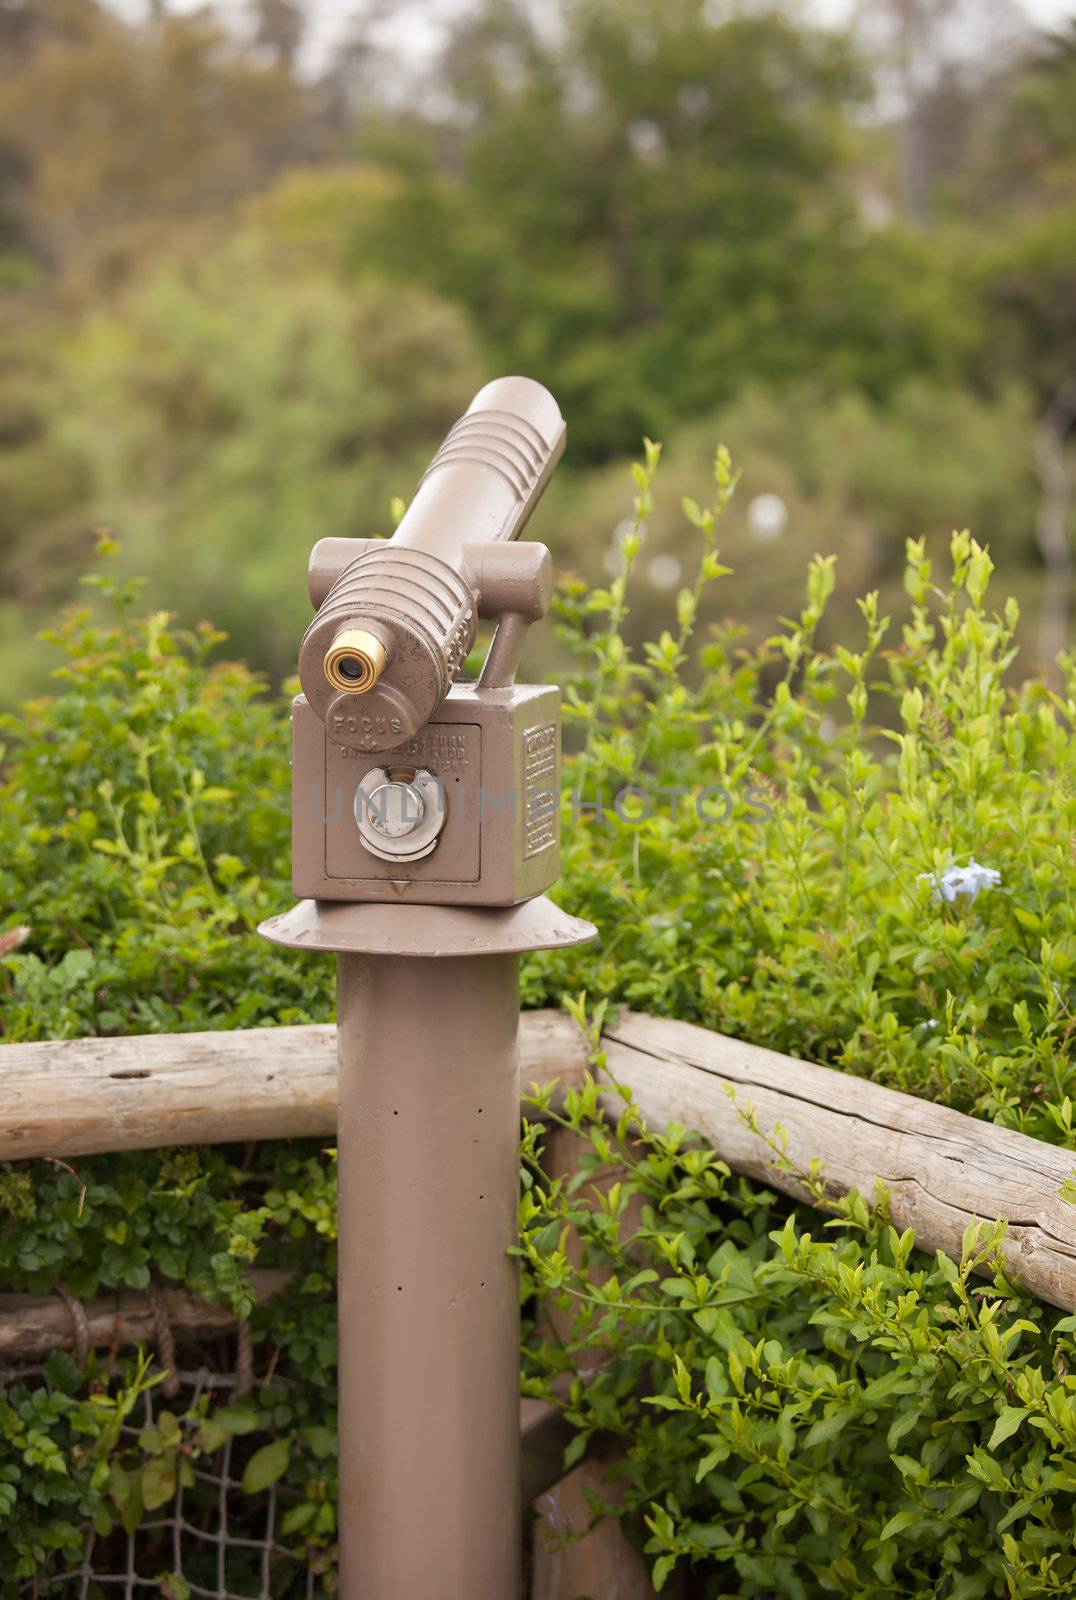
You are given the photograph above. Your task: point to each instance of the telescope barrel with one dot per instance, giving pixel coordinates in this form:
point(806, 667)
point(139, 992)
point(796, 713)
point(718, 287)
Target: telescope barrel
point(489, 474)
point(398, 622)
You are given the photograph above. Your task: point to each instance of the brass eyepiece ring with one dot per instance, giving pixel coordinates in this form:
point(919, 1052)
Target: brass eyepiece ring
point(355, 660)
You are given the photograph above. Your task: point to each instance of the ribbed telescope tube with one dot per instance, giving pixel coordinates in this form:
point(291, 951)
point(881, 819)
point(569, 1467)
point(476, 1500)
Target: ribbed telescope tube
point(391, 634)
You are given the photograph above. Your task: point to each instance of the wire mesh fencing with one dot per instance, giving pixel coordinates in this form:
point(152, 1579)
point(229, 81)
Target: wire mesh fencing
point(212, 1540)
point(212, 1543)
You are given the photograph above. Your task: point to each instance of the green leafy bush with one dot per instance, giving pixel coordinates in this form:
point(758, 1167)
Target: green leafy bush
point(145, 832)
point(199, 1218)
point(802, 1407)
point(777, 874)
point(818, 1415)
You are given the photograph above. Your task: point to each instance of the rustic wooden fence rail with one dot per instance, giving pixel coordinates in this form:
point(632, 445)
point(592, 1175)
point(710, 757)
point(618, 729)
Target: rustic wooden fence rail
point(942, 1169)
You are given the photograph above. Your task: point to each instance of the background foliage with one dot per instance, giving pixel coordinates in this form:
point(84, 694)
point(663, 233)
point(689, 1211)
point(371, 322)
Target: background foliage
point(847, 253)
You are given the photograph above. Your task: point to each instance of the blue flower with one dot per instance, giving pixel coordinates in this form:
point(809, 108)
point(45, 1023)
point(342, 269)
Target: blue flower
point(956, 881)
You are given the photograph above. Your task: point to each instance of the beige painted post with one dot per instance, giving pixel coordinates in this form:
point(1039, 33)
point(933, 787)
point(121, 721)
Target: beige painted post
point(428, 1294)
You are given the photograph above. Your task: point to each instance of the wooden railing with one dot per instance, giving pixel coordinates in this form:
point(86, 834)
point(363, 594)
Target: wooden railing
point(942, 1169)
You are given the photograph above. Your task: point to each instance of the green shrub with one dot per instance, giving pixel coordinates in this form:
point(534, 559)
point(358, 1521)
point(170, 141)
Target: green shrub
point(804, 1415)
point(198, 1218)
point(801, 908)
point(802, 1407)
point(144, 833)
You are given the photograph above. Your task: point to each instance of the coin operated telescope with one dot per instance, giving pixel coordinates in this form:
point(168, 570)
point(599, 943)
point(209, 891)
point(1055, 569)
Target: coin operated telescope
point(425, 830)
point(408, 784)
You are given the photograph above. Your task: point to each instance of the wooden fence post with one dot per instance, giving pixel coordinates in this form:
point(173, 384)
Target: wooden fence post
point(602, 1564)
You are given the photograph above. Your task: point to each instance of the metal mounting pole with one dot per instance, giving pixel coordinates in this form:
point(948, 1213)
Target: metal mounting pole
point(428, 1151)
point(429, 1297)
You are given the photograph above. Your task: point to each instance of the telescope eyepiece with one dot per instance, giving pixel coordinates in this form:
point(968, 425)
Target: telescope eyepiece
point(355, 660)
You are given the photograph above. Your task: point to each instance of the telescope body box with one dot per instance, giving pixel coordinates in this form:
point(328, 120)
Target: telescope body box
point(482, 778)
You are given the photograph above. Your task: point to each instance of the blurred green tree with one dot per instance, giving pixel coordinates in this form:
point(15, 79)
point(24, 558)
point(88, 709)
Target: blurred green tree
point(666, 211)
point(232, 413)
point(854, 478)
point(120, 137)
point(1020, 200)
point(650, 205)
point(1024, 201)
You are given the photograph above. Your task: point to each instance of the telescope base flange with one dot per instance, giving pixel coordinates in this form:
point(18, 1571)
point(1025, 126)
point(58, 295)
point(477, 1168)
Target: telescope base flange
point(375, 929)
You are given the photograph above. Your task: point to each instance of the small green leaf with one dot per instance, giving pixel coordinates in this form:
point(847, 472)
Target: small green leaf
point(827, 1428)
point(663, 1566)
point(158, 1482)
point(298, 1518)
point(897, 1524)
point(1009, 1419)
point(237, 1420)
point(266, 1466)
